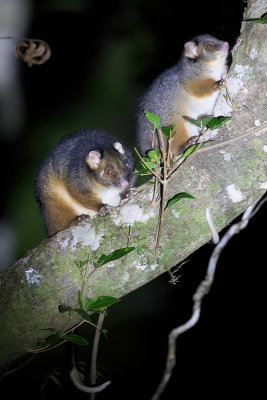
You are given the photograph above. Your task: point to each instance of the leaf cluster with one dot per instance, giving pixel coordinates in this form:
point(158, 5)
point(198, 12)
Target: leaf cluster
point(209, 122)
point(87, 306)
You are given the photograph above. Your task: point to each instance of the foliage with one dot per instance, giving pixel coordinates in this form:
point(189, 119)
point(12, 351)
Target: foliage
point(262, 20)
point(209, 122)
point(87, 306)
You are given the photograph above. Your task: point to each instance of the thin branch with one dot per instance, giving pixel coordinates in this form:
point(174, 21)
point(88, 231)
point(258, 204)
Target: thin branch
point(163, 191)
point(154, 202)
point(11, 371)
point(201, 291)
point(161, 215)
point(93, 374)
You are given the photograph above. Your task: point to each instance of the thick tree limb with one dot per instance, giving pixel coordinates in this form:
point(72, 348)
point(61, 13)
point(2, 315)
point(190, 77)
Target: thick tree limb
point(226, 176)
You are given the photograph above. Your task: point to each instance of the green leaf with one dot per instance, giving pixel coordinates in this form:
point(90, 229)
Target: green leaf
point(150, 164)
point(81, 264)
point(194, 121)
point(80, 300)
point(83, 314)
point(104, 259)
point(143, 171)
point(205, 121)
point(154, 155)
point(54, 339)
point(105, 332)
point(55, 380)
point(166, 130)
point(190, 150)
point(153, 118)
point(99, 303)
point(209, 122)
point(215, 122)
point(76, 339)
point(201, 123)
point(146, 159)
point(178, 197)
point(262, 20)
point(62, 308)
point(101, 258)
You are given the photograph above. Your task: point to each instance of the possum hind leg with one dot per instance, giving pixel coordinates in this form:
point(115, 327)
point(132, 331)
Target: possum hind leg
point(179, 141)
point(61, 209)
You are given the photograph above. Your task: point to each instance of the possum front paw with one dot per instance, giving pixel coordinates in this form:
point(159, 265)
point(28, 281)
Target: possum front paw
point(82, 219)
point(191, 141)
point(222, 81)
point(103, 211)
point(125, 196)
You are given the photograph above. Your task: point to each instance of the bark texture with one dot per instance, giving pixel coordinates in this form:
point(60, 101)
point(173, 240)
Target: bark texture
point(226, 176)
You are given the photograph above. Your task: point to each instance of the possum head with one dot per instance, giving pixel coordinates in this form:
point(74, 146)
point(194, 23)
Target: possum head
point(110, 167)
point(206, 47)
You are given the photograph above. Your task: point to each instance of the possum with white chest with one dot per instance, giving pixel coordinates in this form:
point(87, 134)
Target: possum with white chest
point(85, 171)
point(188, 89)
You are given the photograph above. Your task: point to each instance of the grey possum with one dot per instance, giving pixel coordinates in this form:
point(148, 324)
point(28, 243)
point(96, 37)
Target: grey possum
point(86, 170)
point(188, 89)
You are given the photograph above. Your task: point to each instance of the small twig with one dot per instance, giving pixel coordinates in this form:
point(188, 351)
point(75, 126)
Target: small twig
point(201, 291)
point(154, 202)
point(11, 371)
point(175, 166)
point(163, 191)
point(169, 153)
point(161, 216)
point(129, 237)
point(153, 139)
point(174, 279)
point(48, 347)
point(145, 164)
point(93, 374)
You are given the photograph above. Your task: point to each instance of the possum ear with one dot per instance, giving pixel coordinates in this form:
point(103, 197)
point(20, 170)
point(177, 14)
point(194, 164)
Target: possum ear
point(191, 50)
point(93, 159)
point(117, 146)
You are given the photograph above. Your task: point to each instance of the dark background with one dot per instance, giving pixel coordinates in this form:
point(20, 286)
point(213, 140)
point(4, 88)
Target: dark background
point(104, 55)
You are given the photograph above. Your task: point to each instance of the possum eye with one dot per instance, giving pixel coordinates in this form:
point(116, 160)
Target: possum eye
point(210, 46)
point(109, 171)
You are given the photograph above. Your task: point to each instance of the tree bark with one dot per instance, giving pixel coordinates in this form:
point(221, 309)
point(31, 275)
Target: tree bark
point(225, 176)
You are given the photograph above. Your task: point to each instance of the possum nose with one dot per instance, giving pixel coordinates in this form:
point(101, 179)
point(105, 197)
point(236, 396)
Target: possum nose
point(226, 45)
point(124, 183)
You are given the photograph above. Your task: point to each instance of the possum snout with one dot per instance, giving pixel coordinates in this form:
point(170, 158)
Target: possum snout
point(124, 183)
point(226, 45)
